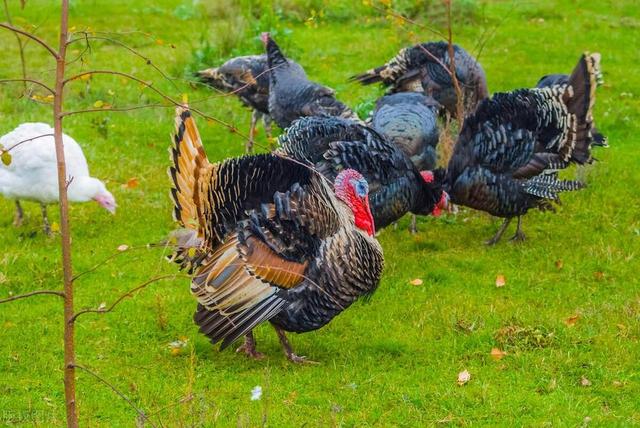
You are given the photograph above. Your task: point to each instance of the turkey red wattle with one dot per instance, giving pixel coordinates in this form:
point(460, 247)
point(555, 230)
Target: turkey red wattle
point(352, 188)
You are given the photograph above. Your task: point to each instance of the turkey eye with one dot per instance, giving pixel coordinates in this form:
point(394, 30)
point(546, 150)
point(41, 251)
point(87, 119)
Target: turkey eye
point(361, 189)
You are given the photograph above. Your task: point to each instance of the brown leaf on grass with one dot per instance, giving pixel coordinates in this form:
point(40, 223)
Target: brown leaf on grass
point(598, 275)
point(585, 382)
point(571, 321)
point(501, 281)
point(497, 354)
point(131, 183)
point(464, 377)
point(559, 264)
point(416, 282)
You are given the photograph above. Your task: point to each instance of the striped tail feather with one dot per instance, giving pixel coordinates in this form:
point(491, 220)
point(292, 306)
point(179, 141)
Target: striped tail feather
point(580, 98)
point(369, 77)
point(548, 186)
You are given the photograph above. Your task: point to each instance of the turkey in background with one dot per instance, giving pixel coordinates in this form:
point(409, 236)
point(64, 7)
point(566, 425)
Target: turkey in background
point(425, 67)
point(247, 77)
point(32, 174)
point(509, 152)
point(292, 95)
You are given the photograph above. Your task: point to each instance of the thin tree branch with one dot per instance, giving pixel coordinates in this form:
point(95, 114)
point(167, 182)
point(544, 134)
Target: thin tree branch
point(127, 47)
point(396, 14)
point(37, 82)
point(24, 141)
point(20, 44)
point(115, 109)
point(32, 293)
point(114, 255)
point(140, 412)
point(149, 85)
point(32, 37)
point(125, 295)
point(452, 64)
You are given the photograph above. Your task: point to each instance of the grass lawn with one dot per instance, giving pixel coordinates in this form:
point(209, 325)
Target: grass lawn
point(392, 361)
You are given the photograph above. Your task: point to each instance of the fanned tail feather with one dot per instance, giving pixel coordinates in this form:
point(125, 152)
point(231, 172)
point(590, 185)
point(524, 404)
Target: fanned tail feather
point(548, 186)
point(580, 98)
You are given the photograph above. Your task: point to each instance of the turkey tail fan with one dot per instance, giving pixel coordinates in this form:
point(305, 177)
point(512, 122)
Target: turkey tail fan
point(580, 98)
point(189, 161)
point(369, 77)
point(210, 76)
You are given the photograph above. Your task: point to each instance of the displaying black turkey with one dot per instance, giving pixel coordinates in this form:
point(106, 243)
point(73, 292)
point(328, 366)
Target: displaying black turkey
point(247, 77)
point(597, 139)
point(508, 153)
point(409, 120)
point(425, 67)
point(269, 239)
point(395, 185)
point(292, 95)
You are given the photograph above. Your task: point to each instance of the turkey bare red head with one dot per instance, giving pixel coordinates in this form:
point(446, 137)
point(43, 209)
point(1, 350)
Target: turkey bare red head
point(352, 188)
point(443, 200)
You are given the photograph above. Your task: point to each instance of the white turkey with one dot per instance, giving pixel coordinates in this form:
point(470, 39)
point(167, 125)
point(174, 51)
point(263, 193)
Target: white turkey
point(32, 175)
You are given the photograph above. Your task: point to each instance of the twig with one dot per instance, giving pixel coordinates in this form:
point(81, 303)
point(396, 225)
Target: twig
point(452, 64)
point(37, 82)
point(148, 61)
point(149, 85)
point(32, 293)
point(115, 109)
point(125, 295)
point(138, 410)
point(32, 37)
point(20, 44)
point(113, 256)
point(396, 14)
point(28, 139)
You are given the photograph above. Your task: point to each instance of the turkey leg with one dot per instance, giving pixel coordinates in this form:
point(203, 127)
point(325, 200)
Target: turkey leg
point(500, 232)
point(249, 347)
point(286, 346)
point(519, 236)
point(413, 227)
point(45, 220)
point(17, 221)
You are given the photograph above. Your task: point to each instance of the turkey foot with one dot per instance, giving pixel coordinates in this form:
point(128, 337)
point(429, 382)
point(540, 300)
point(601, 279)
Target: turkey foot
point(249, 347)
point(45, 220)
point(519, 235)
point(286, 346)
point(17, 220)
point(499, 233)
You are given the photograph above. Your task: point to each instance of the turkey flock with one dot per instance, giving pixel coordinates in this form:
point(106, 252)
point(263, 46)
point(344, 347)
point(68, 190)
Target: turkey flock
point(289, 237)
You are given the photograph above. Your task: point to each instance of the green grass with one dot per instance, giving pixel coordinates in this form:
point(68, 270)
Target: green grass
point(390, 362)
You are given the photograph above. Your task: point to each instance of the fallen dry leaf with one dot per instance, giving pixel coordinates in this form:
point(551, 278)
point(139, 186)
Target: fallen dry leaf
point(571, 321)
point(123, 247)
point(617, 383)
point(497, 354)
point(131, 183)
point(500, 281)
point(585, 382)
point(559, 264)
point(598, 275)
point(416, 282)
point(55, 227)
point(464, 377)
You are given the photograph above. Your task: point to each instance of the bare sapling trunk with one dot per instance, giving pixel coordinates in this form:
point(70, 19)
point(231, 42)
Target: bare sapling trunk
point(67, 269)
